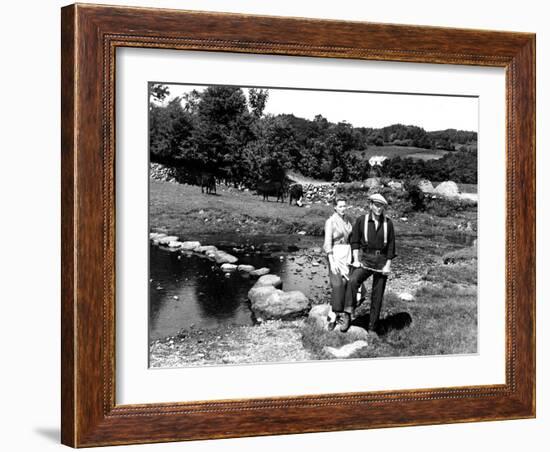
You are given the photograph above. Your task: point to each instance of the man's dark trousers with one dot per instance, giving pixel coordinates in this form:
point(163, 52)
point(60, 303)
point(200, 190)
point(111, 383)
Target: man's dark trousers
point(378, 287)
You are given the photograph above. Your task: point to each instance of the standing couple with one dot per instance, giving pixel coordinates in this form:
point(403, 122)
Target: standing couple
point(368, 247)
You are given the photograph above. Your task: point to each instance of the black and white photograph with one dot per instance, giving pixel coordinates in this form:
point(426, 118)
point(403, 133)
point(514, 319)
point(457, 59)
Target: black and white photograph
point(290, 225)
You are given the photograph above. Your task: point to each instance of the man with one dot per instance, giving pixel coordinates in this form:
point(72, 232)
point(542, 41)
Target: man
point(373, 248)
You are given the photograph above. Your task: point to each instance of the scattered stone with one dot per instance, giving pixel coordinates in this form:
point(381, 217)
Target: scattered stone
point(317, 250)
point(156, 235)
point(315, 264)
point(302, 232)
point(174, 244)
point(319, 314)
point(269, 280)
point(404, 296)
point(190, 246)
point(211, 254)
point(395, 185)
point(245, 268)
point(205, 249)
point(260, 272)
point(448, 189)
point(229, 267)
point(222, 257)
point(346, 350)
point(425, 186)
point(160, 172)
point(404, 219)
point(165, 240)
point(175, 297)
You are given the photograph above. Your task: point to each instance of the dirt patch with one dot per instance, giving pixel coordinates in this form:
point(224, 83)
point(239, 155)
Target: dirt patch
point(269, 342)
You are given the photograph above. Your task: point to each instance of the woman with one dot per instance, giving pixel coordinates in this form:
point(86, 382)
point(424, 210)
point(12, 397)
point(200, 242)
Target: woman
point(337, 232)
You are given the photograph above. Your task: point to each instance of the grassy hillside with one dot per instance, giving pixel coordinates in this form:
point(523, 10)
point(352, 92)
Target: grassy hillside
point(403, 151)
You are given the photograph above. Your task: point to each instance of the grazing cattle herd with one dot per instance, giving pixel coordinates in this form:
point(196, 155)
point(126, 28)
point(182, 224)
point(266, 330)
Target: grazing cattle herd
point(267, 188)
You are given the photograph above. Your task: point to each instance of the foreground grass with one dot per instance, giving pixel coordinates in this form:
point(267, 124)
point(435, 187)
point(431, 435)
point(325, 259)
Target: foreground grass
point(441, 320)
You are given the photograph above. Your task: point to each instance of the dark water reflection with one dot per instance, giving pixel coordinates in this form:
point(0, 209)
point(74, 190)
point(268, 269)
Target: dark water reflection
point(189, 290)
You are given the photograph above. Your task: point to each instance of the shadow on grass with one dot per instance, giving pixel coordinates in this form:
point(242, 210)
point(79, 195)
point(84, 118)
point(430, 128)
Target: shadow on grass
point(392, 322)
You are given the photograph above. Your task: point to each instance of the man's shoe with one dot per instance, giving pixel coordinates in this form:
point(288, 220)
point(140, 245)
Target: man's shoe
point(346, 322)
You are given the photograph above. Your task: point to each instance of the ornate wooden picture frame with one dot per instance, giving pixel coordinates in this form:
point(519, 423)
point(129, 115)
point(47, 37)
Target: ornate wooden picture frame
point(90, 37)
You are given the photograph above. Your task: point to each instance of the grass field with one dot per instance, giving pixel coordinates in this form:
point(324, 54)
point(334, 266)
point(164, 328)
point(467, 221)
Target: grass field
point(403, 151)
point(185, 211)
point(431, 265)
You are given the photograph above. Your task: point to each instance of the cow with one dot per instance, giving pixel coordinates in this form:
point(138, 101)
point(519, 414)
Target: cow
point(208, 183)
point(296, 193)
point(271, 188)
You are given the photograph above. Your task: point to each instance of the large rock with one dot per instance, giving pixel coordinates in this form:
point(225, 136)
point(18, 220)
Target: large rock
point(346, 350)
point(166, 239)
point(190, 246)
point(270, 303)
point(246, 268)
point(425, 186)
point(206, 249)
point(448, 188)
point(260, 272)
point(259, 295)
point(270, 280)
point(227, 268)
point(222, 257)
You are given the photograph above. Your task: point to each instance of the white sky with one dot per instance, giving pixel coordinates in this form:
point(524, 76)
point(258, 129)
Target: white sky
point(369, 109)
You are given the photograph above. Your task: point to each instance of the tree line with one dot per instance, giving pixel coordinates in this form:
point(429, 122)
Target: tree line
point(222, 131)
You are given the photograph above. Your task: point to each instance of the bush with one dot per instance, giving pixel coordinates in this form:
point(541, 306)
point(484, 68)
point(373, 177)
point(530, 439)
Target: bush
point(415, 195)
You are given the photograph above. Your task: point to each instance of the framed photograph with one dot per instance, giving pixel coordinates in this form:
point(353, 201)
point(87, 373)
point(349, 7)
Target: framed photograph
point(281, 225)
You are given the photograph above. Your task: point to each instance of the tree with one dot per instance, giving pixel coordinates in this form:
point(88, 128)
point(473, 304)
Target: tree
point(170, 132)
point(223, 130)
point(257, 98)
point(158, 91)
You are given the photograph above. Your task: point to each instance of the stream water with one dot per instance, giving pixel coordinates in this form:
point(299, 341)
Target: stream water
point(189, 290)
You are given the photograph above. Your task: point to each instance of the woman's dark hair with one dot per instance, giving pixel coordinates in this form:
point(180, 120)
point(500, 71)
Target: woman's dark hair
point(336, 200)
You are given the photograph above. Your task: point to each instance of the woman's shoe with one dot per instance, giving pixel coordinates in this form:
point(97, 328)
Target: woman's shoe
point(332, 324)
